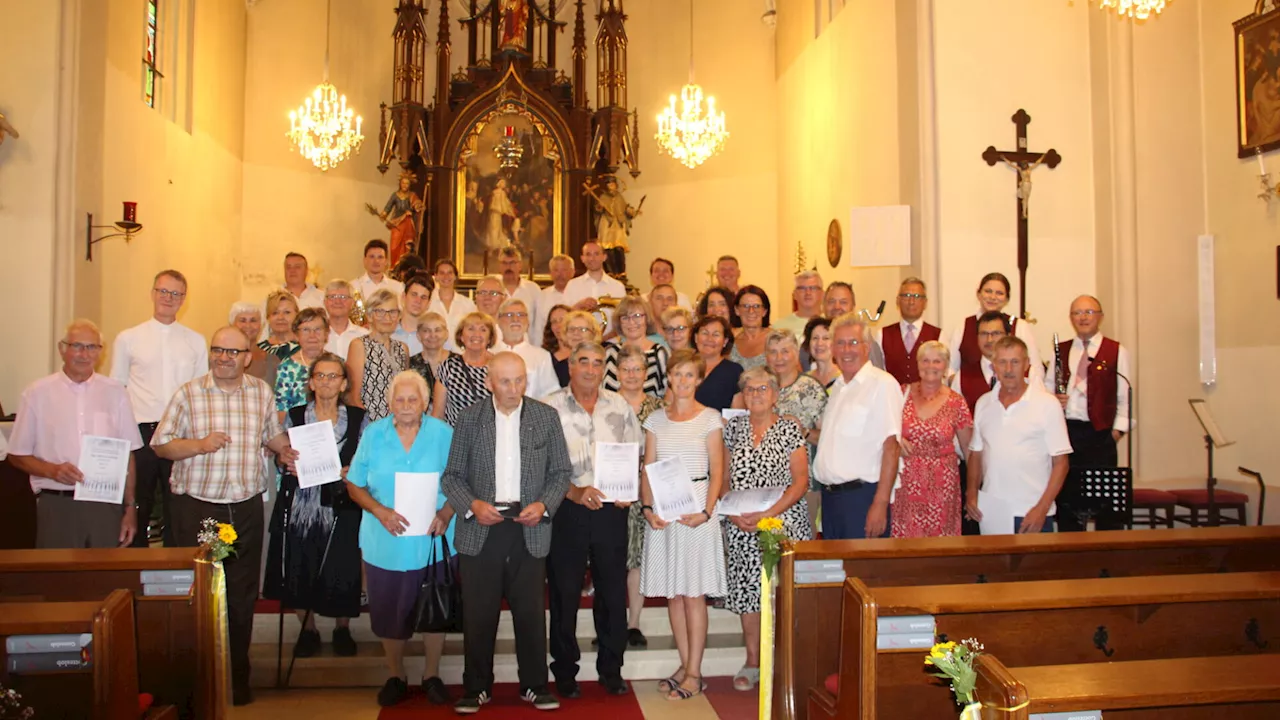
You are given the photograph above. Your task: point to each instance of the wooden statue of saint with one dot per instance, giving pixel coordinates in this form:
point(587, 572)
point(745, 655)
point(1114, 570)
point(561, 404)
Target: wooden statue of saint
point(515, 21)
point(614, 225)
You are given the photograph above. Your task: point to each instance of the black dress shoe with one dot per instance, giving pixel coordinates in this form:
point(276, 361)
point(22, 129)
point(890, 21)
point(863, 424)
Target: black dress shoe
point(434, 689)
point(568, 689)
point(636, 639)
point(615, 685)
point(393, 692)
point(343, 644)
point(241, 695)
point(308, 644)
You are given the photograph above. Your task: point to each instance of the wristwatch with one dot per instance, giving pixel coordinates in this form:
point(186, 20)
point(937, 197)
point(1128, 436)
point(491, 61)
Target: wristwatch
point(704, 512)
point(645, 507)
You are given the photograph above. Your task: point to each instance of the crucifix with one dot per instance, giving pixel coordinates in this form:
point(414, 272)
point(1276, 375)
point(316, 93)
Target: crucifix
point(1024, 162)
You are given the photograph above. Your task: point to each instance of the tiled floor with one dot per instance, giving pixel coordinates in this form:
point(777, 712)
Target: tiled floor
point(358, 704)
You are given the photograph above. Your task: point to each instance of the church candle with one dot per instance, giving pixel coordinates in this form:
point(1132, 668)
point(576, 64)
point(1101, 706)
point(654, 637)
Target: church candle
point(131, 212)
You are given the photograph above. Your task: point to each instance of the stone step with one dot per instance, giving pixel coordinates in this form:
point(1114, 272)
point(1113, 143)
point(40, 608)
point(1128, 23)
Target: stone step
point(653, 623)
point(724, 655)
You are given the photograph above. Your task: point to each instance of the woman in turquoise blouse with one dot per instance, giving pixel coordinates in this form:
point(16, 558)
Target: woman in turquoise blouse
point(408, 441)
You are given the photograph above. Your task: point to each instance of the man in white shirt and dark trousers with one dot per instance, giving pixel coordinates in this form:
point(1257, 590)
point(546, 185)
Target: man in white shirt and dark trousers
point(972, 382)
point(153, 360)
point(590, 527)
point(583, 292)
point(1096, 404)
point(507, 474)
point(562, 270)
point(1018, 454)
point(857, 459)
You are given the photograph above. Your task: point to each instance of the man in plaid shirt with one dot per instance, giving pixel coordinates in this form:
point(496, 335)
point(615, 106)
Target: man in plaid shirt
point(215, 430)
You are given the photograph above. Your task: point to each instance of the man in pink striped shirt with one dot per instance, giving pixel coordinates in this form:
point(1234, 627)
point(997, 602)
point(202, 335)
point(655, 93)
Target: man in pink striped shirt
point(54, 415)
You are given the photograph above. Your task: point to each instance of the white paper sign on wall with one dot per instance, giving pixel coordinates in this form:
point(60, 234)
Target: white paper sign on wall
point(880, 236)
point(1208, 346)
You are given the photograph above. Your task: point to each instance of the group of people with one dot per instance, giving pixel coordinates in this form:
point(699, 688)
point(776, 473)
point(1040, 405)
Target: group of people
point(867, 432)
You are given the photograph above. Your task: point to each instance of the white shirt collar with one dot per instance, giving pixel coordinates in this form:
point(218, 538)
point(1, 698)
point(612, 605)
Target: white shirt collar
point(515, 414)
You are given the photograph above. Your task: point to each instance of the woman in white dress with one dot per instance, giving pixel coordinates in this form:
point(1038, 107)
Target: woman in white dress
point(684, 558)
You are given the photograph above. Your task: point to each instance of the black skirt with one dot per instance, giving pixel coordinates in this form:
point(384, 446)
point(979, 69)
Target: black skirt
point(313, 556)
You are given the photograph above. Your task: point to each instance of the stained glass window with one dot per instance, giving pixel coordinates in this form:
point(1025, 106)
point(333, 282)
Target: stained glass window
point(150, 73)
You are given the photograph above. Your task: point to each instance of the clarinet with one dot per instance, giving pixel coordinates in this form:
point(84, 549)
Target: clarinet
point(1059, 369)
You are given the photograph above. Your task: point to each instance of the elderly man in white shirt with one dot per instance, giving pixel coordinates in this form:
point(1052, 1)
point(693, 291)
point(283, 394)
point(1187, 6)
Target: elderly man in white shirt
point(375, 275)
point(153, 360)
point(338, 301)
point(1018, 454)
point(584, 291)
point(857, 459)
point(590, 526)
point(562, 269)
point(55, 416)
point(516, 286)
point(513, 325)
point(295, 281)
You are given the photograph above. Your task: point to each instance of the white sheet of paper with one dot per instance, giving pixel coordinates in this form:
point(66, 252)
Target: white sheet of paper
point(754, 500)
point(416, 497)
point(731, 413)
point(617, 471)
point(672, 489)
point(104, 462)
point(318, 461)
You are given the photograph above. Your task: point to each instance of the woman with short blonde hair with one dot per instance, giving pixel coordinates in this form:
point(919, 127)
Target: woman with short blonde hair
point(282, 308)
point(372, 360)
point(462, 379)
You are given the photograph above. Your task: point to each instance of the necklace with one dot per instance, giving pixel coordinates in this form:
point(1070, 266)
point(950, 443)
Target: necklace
point(927, 397)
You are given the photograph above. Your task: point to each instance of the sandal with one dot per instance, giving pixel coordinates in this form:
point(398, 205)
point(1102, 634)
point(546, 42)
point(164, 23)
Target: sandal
point(747, 678)
point(670, 684)
point(679, 692)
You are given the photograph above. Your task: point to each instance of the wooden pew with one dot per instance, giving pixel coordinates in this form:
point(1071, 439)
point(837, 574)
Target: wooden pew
point(170, 630)
point(107, 691)
point(1043, 623)
point(1199, 688)
point(806, 647)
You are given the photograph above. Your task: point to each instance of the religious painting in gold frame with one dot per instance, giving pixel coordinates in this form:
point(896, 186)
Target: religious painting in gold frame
point(520, 205)
point(1257, 43)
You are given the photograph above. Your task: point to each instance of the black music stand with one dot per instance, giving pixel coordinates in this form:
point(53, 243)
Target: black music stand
point(1105, 493)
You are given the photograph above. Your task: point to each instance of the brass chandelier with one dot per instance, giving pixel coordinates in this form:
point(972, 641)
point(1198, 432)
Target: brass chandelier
point(1136, 9)
point(691, 135)
point(321, 128)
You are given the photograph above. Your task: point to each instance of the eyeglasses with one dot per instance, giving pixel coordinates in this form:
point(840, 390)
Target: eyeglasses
point(808, 288)
point(514, 315)
point(576, 330)
point(328, 376)
point(634, 316)
point(171, 294)
point(337, 297)
point(711, 334)
point(489, 293)
point(750, 307)
point(676, 328)
point(911, 296)
point(312, 331)
point(631, 369)
point(383, 312)
point(1086, 313)
point(847, 343)
point(232, 353)
point(80, 347)
point(756, 389)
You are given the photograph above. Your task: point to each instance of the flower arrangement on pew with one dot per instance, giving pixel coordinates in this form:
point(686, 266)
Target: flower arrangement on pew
point(769, 535)
point(220, 538)
point(11, 706)
point(954, 662)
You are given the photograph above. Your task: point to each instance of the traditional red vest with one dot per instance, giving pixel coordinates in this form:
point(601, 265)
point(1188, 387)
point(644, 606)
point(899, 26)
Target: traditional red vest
point(973, 384)
point(1102, 381)
point(897, 361)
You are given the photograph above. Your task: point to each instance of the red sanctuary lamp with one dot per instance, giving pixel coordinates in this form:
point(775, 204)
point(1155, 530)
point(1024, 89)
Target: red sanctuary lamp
point(127, 227)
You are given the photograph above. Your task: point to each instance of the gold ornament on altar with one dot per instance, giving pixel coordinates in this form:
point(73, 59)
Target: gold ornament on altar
point(691, 135)
point(1136, 9)
point(321, 128)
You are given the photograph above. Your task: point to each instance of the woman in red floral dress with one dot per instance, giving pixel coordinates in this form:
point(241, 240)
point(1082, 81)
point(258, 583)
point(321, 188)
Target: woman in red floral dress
point(927, 502)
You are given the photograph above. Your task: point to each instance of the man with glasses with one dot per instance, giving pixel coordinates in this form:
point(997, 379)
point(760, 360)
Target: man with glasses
point(214, 431)
point(513, 325)
point(900, 340)
point(55, 414)
point(838, 300)
point(338, 301)
point(518, 287)
point(857, 459)
point(152, 361)
point(1096, 404)
point(808, 300)
point(490, 295)
point(973, 382)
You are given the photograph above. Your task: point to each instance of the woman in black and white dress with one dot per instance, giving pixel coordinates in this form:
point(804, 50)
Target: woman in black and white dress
point(684, 559)
point(762, 450)
point(462, 377)
point(632, 325)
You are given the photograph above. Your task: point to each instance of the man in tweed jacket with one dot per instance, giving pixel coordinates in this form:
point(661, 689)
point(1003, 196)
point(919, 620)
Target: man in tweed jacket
point(507, 474)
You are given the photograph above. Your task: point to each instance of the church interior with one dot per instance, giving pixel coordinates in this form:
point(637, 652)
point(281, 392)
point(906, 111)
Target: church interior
point(866, 117)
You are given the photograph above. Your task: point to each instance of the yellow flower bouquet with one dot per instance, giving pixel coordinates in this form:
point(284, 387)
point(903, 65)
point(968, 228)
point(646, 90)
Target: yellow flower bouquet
point(769, 536)
point(220, 538)
point(954, 662)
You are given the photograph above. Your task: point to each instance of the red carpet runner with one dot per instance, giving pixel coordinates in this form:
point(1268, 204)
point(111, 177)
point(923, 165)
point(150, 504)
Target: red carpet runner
point(594, 704)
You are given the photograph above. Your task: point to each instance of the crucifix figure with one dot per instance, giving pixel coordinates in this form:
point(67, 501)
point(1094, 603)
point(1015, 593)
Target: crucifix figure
point(1024, 162)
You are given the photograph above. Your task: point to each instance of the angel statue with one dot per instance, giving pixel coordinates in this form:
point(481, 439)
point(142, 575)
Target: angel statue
point(6, 129)
point(614, 225)
point(401, 214)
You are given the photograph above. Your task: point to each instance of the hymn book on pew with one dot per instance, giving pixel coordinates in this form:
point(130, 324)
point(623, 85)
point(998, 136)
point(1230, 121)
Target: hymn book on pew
point(31, 644)
point(1073, 715)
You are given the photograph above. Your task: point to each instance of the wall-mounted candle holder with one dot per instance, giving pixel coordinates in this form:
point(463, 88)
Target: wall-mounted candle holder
point(128, 226)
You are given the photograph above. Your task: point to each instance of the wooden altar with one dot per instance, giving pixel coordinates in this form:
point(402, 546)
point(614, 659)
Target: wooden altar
point(505, 146)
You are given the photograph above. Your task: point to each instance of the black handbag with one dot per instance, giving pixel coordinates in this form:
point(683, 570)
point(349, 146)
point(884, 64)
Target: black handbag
point(438, 608)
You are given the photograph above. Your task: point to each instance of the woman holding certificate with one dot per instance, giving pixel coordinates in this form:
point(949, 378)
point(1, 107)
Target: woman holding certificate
point(409, 447)
point(631, 373)
point(763, 450)
point(313, 559)
point(684, 550)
